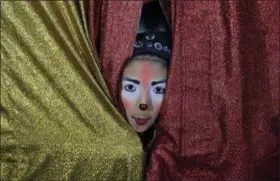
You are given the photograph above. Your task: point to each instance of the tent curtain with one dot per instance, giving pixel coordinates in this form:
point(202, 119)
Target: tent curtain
point(222, 99)
point(57, 118)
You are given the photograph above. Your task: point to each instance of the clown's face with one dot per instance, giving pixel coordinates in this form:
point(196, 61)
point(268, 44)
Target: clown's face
point(143, 87)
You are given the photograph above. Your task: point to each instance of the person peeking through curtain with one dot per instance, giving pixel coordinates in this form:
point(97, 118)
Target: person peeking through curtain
point(144, 76)
point(143, 83)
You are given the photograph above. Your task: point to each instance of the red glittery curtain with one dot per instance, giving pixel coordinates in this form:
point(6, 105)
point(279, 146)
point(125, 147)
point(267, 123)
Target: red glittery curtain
point(113, 26)
point(219, 119)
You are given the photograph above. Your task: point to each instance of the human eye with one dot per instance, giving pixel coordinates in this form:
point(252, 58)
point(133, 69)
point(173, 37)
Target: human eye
point(130, 88)
point(159, 90)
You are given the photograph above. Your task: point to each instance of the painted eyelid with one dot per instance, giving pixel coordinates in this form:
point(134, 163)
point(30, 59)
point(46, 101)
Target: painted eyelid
point(162, 85)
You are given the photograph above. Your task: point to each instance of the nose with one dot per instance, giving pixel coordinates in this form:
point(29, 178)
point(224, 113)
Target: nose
point(143, 107)
point(145, 101)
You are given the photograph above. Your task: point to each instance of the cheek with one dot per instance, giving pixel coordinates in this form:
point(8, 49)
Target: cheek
point(128, 100)
point(126, 103)
point(156, 106)
point(130, 96)
point(156, 100)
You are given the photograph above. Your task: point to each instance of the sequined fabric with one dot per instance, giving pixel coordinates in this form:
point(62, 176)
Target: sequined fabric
point(57, 118)
point(222, 100)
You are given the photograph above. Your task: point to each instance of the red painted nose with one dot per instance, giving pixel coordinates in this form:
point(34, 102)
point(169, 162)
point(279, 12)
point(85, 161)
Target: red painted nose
point(143, 107)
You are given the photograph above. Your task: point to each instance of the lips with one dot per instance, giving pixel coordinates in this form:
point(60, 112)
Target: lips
point(141, 121)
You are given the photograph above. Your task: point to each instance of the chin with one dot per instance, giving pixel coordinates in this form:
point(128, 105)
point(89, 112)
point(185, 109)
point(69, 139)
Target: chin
point(140, 130)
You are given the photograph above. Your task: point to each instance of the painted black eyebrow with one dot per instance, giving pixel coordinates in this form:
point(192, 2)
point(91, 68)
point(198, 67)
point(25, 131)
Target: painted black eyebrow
point(132, 80)
point(158, 82)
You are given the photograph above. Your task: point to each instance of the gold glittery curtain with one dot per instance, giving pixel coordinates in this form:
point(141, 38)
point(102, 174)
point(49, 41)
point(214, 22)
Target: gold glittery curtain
point(57, 120)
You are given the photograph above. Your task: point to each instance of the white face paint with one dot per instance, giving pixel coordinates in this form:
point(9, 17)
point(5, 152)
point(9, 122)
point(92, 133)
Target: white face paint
point(157, 92)
point(132, 91)
point(143, 82)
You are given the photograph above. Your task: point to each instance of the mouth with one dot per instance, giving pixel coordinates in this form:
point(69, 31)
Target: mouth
point(141, 121)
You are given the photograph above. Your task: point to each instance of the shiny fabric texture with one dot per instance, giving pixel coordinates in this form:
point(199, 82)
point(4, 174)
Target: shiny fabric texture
point(220, 116)
point(220, 119)
point(57, 118)
point(113, 27)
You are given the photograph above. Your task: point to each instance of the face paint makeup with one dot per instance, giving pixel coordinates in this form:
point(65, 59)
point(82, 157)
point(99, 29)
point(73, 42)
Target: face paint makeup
point(143, 82)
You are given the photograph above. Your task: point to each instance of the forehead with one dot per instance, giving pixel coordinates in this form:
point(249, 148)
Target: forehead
point(139, 68)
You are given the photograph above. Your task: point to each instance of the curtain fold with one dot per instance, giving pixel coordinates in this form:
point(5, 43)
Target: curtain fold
point(222, 99)
point(57, 118)
point(113, 26)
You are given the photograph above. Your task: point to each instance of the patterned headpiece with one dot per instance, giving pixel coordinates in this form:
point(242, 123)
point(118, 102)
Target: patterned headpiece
point(155, 43)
